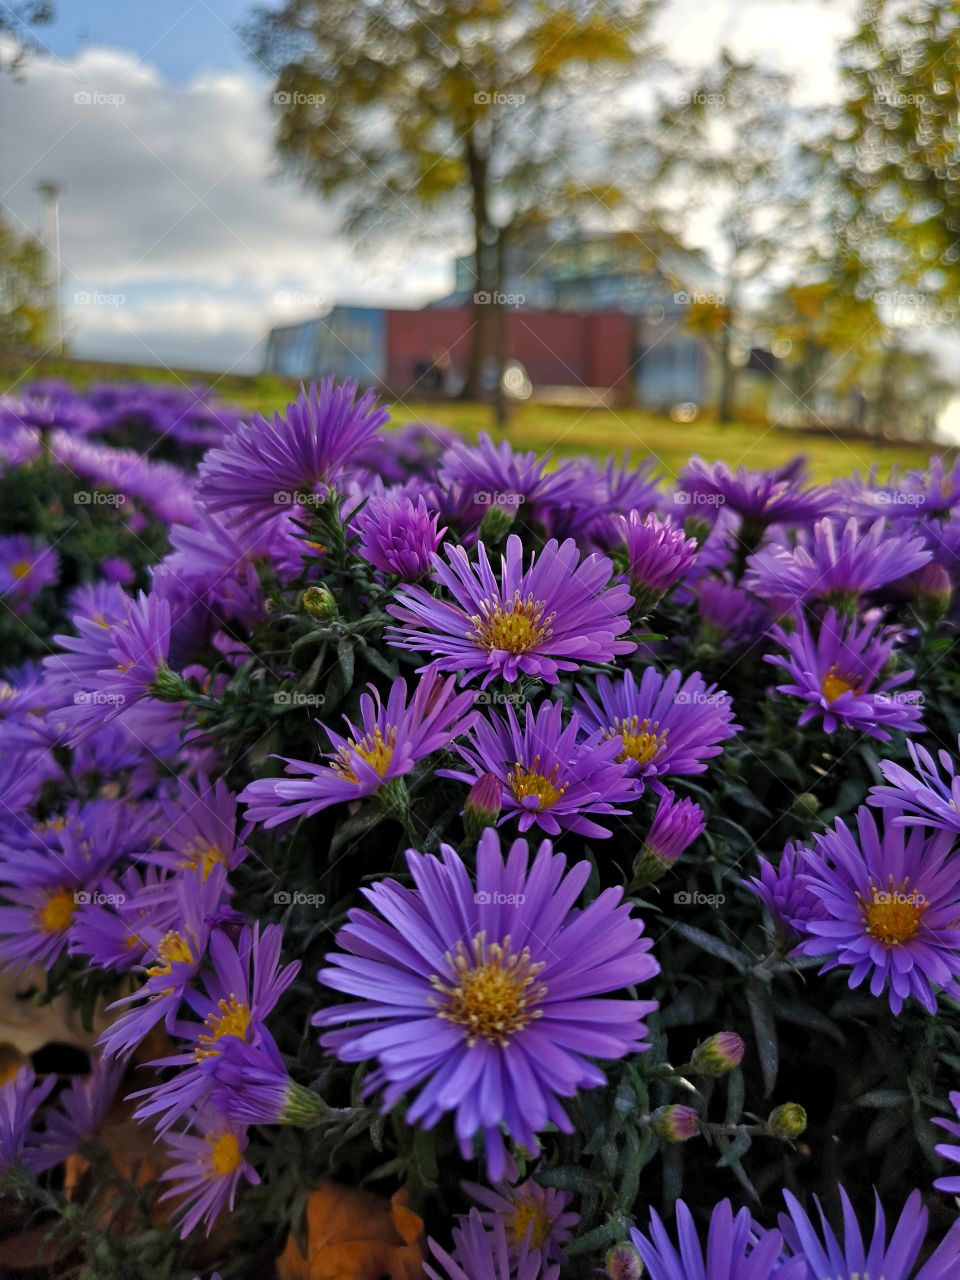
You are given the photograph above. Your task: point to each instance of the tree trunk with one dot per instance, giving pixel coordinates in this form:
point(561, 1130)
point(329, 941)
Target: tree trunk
point(481, 336)
point(501, 406)
point(727, 393)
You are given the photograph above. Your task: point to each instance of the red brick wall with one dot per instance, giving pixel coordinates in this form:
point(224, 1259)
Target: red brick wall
point(557, 348)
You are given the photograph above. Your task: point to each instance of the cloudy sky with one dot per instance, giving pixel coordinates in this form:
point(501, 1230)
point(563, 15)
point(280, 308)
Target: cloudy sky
point(181, 242)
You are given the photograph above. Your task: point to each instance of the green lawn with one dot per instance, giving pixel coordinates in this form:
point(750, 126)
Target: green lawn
point(543, 427)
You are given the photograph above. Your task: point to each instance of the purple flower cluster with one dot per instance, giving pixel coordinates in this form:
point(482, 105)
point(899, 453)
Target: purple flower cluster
point(469, 615)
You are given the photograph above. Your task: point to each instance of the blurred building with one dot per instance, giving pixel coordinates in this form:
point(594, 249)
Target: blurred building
point(600, 313)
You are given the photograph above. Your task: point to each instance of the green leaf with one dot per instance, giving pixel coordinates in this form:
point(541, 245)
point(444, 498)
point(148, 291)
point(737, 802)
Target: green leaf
point(713, 946)
point(765, 1033)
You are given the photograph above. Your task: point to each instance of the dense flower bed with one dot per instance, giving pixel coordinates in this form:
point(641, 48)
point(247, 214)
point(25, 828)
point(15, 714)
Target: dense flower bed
point(566, 855)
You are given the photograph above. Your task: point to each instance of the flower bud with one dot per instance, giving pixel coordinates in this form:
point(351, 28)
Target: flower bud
point(496, 522)
point(319, 603)
point(807, 804)
point(167, 686)
point(675, 1123)
point(934, 590)
point(483, 805)
point(717, 1055)
point(623, 1263)
point(676, 824)
point(787, 1121)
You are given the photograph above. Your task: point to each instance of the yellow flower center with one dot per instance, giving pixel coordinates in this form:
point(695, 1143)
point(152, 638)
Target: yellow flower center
point(172, 948)
point(531, 782)
point(21, 569)
point(515, 626)
point(232, 1019)
point(375, 748)
point(641, 742)
point(834, 684)
point(202, 853)
point(57, 912)
point(893, 915)
point(530, 1213)
point(225, 1154)
point(491, 991)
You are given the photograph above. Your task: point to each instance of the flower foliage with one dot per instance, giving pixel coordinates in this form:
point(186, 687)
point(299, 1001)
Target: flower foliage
point(470, 864)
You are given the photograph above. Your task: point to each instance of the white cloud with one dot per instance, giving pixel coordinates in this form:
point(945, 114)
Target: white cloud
point(172, 199)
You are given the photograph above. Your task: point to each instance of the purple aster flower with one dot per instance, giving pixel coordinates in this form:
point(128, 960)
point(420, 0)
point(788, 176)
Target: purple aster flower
point(116, 569)
point(202, 829)
point(548, 618)
point(20, 443)
point(923, 798)
point(242, 988)
point(250, 1085)
point(493, 475)
point(390, 740)
point(736, 1249)
point(20, 1098)
point(479, 1254)
point(761, 498)
point(667, 725)
point(42, 882)
point(730, 614)
point(111, 928)
point(174, 954)
point(26, 568)
point(550, 776)
point(903, 496)
point(397, 535)
point(851, 1255)
point(891, 905)
point(207, 1170)
point(676, 824)
point(483, 998)
point(79, 1113)
point(293, 459)
point(786, 897)
point(111, 667)
point(839, 674)
point(658, 555)
point(536, 1219)
point(949, 1150)
point(843, 562)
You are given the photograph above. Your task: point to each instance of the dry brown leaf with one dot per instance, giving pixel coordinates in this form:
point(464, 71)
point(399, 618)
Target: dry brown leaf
point(355, 1235)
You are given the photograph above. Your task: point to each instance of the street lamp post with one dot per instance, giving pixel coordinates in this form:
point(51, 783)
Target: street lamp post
point(50, 193)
